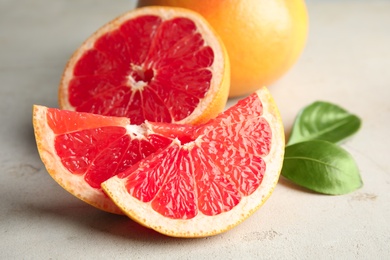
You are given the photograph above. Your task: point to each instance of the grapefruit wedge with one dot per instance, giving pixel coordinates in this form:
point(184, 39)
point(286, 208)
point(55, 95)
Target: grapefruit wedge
point(81, 150)
point(178, 179)
point(158, 64)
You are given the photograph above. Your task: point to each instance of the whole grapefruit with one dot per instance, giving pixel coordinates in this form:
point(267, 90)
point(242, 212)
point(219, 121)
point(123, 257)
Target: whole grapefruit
point(264, 38)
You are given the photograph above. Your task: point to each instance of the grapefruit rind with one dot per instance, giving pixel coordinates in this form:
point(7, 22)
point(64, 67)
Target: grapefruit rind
point(202, 225)
point(214, 101)
point(74, 184)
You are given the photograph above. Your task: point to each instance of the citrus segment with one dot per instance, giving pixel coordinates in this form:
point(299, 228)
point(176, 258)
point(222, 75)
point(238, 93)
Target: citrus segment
point(157, 64)
point(223, 171)
point(82, 150)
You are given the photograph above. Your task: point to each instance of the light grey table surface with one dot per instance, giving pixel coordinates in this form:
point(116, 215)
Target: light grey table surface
point(346, 61)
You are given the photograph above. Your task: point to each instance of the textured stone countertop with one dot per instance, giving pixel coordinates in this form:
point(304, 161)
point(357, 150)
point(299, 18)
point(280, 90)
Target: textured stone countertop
point(346, 61)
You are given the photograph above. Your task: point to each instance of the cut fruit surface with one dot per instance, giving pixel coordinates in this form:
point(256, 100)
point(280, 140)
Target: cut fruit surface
point(178, 179)
point(158, 64)
point(81, 150)
point(223, 171)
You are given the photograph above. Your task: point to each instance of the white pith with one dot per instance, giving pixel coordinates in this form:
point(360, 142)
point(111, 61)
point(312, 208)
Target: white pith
point(136, 131)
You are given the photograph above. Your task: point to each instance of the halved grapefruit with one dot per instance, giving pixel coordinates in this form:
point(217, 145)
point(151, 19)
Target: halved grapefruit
point(158, 64)
point(178, 179)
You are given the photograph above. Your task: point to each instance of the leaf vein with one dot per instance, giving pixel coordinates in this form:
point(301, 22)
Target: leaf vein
point(311, 159)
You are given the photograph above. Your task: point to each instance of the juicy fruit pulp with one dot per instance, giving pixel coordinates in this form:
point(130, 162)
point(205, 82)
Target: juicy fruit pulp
point(164, 175)
point(136, 77)
point(81, 150)
point(219, 176)
point(102, 152)
point(210, 174)
point(145, 66)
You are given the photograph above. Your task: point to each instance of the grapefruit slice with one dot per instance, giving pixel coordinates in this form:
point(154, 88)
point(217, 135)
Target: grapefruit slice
point(156, 63)
point(178, 179)
point(81, 150)
point(209, 179)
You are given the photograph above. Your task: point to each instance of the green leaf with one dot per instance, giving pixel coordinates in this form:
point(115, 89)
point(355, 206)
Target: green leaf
point(321, 166)
point(324, 121)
